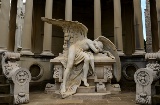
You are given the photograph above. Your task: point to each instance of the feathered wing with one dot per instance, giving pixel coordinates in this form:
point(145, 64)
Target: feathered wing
point(73, 30)
point(109, 46)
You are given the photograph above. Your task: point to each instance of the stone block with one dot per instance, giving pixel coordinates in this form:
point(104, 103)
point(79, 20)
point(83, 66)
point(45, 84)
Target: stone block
point(113, 88)
point(90, 96)
point(39, 67)
point(101, 88)
point(82, 89)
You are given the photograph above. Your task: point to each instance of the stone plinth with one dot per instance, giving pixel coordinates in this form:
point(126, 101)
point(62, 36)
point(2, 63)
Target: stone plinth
point(90, 96)
point(103, 73)
point(82, 89)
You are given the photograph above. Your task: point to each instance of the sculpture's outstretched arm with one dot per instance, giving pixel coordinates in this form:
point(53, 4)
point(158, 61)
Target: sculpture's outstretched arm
point(108, 54)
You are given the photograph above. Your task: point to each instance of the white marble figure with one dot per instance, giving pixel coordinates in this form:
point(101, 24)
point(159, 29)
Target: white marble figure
point(77, 53)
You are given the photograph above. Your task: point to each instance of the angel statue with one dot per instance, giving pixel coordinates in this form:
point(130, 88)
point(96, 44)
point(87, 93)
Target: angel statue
point(79, 52)
point(78, 55)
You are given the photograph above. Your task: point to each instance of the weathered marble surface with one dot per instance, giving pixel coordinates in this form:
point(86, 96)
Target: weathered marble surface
point(19, 77)
point(146, 78)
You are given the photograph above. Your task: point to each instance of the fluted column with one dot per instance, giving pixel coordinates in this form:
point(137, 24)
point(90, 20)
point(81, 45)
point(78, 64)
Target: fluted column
point(138, 29)
point(97, 18)
point(4, 24)
point(47, 42)
point(118, 26)
point(158, 19)
point(68, 10)
point(27, 31)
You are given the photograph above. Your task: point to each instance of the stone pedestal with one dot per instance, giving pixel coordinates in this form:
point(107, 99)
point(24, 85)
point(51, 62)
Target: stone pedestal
point(146, 78)
point(18, 77)
point(103, 70)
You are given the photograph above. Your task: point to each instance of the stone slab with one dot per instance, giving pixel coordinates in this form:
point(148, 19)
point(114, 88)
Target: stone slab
point(124, 98)
point(83, 89)
point(90, 96)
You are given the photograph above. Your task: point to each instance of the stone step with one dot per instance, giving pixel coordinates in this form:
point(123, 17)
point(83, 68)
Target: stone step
point(2, 79)
point(90, 96)
point(83, 89)
point(6, 99)
point(156, 100)
point(4, 89)
point(158, 89)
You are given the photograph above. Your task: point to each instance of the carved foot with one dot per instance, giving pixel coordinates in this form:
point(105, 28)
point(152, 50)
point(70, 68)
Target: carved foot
point(85, 82)
point(63, 88)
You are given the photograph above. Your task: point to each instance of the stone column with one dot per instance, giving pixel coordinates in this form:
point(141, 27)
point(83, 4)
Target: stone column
point(47, 41)
point(12, 25)
point(158, 19)
point(148, 28)
point(138, 29)
point(118, 26)
point(27, 31)
point(19, 23)
point(68, 10)
point(97, 18)
point(4, 24)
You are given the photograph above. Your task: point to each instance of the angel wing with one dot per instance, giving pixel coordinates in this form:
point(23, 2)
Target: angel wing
point(73, 30)
point(109, 46)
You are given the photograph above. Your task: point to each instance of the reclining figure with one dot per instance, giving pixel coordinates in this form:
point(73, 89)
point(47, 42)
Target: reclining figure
point(78, 55)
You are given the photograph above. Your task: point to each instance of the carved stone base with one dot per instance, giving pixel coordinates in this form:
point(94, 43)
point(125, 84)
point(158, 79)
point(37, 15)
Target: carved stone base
point(3, 50)
point(50, 88)
point(113, 88)
point(19, 77)
point(47, 53)
point(139, 52)
point(143, 99)
point(120, 53)
point(101, 87)
point(26, 52)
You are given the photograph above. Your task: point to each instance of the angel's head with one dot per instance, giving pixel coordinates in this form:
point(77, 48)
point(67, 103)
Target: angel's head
point(98, 45)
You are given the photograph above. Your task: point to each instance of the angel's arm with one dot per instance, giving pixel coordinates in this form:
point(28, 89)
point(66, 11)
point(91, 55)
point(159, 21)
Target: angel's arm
point(92, 46)
point(108, 54)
